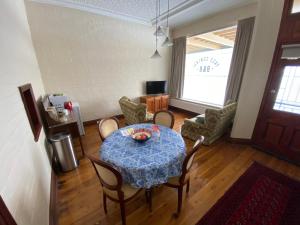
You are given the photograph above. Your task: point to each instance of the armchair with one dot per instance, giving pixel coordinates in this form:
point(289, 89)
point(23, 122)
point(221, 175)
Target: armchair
point(133, 112)
point(212, 125)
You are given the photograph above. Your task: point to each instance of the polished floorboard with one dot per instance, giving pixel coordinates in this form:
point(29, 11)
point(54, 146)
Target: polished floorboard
point(214, 170)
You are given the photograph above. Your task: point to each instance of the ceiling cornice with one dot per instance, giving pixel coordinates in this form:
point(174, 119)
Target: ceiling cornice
point(188, 4)
point(94, 9)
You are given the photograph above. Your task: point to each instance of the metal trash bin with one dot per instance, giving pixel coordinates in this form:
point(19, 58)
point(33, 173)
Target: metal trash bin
point(63, 148)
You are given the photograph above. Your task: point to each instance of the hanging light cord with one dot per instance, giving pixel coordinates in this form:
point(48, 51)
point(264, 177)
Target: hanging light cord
point(157, 2)
point(158, 8)
point(168, 13)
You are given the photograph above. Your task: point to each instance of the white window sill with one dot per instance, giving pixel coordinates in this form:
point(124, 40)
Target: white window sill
point(205, 104)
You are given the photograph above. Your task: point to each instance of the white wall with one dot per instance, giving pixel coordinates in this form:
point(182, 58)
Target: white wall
point(24, 169)
point(92, 58)
point(220, 20)
point(258, 67)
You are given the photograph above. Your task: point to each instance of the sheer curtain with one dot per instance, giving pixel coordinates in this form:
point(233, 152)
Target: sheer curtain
point(177, 68)
point(239, 58)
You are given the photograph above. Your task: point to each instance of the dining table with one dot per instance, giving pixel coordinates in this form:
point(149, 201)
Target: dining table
point(147, 164)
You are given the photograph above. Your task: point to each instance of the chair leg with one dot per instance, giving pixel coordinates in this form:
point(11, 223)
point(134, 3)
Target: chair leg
point(149, 198)
point(123, 216)
point(188, 186)
point(104, 203)
point(179, 201)
point(146, 195)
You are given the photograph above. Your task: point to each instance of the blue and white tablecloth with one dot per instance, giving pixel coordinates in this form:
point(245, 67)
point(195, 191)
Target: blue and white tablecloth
point(144, 165)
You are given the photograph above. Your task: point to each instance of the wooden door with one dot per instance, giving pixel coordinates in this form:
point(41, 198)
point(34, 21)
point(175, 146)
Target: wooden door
point(150, 104)
point(277, 128)
point(5, 216)
point(164, 102)
point(157, 103)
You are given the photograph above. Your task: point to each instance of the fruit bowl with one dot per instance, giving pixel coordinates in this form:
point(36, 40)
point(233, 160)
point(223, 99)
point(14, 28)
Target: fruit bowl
point(141, 135)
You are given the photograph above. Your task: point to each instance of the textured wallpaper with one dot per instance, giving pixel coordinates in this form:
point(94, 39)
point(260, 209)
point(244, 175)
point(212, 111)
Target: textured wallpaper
point(94, 59)
point(24, 169)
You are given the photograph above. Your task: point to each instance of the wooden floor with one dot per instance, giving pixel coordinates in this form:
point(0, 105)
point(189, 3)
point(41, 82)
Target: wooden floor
point(215, 169)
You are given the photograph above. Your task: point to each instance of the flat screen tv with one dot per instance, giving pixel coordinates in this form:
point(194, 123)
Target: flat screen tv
point(156, 87)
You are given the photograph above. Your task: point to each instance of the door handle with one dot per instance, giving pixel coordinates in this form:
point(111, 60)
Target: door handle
point(273, 91)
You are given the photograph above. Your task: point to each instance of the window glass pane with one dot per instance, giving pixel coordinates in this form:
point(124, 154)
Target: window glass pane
point(207, 66)
point(296, 6)
point(288, 97)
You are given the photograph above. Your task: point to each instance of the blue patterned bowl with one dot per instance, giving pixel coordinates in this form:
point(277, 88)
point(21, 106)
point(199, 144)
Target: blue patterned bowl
point(141, 135)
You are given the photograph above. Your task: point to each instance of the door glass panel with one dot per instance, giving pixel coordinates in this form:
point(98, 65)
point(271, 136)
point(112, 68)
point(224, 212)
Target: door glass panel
point(288, 97)
point(296, 6)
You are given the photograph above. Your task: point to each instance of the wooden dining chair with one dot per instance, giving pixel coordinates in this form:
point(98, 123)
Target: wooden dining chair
point(113, 186)
point(107, 126)
point(164, 118)
point(184, 178)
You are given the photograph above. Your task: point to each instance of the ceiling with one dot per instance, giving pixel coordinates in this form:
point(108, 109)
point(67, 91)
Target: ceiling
point(219, 39)
point(143, 11)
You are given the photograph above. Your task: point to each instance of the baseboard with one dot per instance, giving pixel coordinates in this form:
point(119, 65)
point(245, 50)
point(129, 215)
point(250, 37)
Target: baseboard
point(241, 141)
point(92, 122)
point(53, 210)
point(276, 155)
point(174, 108)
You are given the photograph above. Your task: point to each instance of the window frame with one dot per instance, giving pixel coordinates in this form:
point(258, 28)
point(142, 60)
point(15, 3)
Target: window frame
point(203, 102)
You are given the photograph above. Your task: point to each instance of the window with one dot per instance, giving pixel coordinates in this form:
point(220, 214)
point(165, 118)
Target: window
point(288, 97)
point(207, 66)
point(296, 6)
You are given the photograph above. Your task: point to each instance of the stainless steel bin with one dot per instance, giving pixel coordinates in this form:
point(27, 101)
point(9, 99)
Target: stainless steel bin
point(63, 148)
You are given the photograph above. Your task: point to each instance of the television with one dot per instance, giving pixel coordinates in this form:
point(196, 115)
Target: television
point(156, 87)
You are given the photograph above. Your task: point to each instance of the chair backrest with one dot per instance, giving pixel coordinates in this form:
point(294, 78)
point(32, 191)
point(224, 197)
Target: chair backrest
point(220, 119)
point(188, 161)
point(164, 118)
point(107, 126)
point(109, 177)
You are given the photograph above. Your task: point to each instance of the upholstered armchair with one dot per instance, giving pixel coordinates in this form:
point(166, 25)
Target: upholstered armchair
point(212, 125)
point(134, 113)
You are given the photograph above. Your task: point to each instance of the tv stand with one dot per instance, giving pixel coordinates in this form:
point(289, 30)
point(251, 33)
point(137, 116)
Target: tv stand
point(155, 102)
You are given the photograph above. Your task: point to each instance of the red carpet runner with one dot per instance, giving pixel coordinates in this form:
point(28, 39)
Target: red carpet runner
point(260, 196)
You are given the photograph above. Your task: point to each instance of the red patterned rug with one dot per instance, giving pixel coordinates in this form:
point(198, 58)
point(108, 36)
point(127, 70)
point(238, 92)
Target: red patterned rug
point(260, 196)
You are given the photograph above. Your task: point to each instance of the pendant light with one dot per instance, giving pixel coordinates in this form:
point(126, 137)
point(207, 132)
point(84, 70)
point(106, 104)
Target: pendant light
point(167, 42)
point(160, 29)
point(156, 53)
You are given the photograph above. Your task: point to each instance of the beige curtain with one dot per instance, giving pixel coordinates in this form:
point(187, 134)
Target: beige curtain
point(177, 68)
point(239, 58)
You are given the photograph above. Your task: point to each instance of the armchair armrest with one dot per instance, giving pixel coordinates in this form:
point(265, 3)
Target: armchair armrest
point(194, 124)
